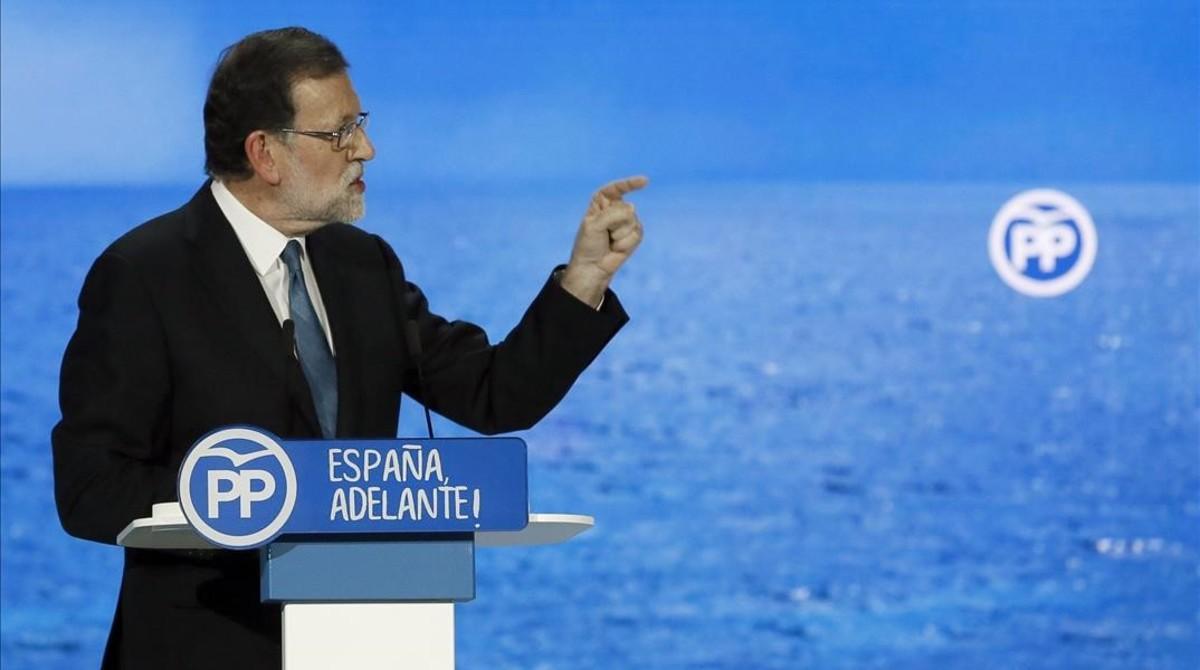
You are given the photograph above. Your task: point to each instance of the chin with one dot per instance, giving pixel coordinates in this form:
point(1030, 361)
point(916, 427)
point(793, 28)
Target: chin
point(354, 214)
point(346, 211)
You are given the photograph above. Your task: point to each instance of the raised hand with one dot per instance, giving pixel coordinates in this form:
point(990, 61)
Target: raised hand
point(607, 237)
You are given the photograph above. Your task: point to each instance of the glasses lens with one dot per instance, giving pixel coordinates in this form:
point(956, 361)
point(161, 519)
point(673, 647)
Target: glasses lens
point(346, 132)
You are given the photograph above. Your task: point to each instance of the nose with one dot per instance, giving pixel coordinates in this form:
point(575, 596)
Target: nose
point(361, 148)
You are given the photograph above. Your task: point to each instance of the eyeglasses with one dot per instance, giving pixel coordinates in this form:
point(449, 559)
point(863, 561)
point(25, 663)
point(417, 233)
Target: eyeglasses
point(341, 137)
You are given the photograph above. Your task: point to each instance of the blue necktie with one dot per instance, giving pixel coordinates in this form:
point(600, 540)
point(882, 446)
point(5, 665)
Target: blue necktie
point(315, 357)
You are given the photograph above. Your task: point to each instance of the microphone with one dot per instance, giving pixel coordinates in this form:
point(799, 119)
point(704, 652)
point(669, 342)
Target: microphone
point(288, 345)
point(413, 338)
point(289, 337)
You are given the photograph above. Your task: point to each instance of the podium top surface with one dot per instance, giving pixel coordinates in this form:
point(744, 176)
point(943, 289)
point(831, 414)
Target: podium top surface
point(167, 528)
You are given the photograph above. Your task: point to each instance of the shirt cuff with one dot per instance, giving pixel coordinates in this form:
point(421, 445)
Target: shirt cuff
point(557, 277)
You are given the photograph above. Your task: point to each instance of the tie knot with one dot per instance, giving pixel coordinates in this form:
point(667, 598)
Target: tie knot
point(291, 256)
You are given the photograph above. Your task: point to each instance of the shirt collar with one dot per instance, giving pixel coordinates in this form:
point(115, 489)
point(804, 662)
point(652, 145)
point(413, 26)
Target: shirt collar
point(263, 243)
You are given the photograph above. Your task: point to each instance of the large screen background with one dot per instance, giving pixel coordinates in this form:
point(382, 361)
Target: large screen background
point(830, 436)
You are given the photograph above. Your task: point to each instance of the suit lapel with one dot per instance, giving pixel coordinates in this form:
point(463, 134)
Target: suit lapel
point(227, 273)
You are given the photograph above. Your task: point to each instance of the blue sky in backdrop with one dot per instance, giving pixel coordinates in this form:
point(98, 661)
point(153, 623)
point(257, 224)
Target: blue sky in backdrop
point(478, 92)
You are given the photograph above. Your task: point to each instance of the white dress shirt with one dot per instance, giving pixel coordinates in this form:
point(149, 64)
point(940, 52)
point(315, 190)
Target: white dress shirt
point(263, 245)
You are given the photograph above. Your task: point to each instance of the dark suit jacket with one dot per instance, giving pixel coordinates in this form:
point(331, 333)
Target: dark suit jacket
point(176, 338)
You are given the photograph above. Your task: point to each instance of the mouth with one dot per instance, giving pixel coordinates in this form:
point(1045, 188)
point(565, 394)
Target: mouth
point(359, 185)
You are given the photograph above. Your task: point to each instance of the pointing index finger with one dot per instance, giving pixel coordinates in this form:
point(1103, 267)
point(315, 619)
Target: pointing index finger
point(614, 190)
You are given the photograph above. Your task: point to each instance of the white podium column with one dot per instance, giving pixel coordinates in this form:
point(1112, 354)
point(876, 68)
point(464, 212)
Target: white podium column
point(368, 636)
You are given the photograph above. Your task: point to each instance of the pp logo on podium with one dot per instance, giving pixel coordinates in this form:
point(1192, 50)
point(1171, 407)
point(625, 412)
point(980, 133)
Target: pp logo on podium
point(237, 487)
point(1042, 243)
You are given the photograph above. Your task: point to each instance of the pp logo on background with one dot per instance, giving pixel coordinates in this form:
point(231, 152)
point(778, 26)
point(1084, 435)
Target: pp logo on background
point(1042, 243)
point(237, 487)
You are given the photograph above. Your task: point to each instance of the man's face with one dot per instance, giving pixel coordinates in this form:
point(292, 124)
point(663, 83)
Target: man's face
point(320, 183)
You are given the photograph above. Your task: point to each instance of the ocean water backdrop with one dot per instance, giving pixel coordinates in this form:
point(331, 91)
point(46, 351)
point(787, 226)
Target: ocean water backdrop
point(830, 436)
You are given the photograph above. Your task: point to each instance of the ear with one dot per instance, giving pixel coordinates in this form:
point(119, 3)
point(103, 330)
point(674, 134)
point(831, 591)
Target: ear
point(259, 146)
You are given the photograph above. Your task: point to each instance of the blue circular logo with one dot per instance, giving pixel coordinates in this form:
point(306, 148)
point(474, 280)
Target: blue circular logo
point(237, 487)
point(1042, 243)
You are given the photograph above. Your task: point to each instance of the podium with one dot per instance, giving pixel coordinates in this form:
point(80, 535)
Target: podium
point(368, 599)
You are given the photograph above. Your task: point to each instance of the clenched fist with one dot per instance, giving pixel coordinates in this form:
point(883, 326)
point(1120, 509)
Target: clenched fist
point(607, 237)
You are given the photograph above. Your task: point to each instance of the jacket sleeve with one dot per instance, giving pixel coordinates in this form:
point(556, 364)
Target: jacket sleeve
point(109, 447)
point(513, 384)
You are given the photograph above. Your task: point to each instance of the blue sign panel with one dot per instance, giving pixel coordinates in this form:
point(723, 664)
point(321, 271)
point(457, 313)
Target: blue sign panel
point(241, 487)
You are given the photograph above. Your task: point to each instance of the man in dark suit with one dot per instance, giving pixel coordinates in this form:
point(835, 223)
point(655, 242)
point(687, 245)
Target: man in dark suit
point(252, 304)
